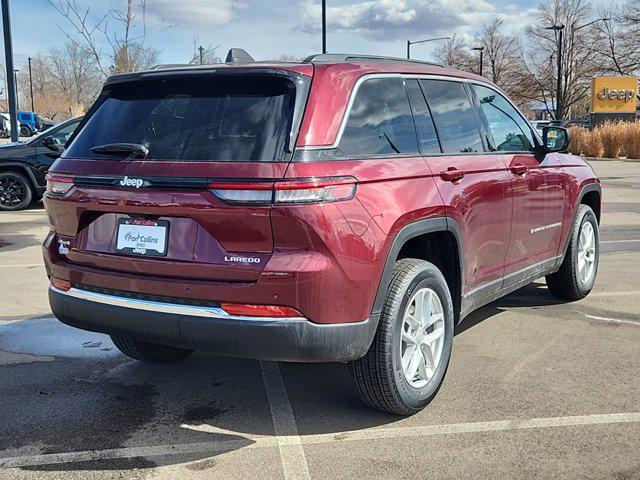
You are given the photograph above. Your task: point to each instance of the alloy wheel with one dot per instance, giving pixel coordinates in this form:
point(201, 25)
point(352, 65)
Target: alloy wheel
point(422, 338)
point(12, 191)
point(586, 252)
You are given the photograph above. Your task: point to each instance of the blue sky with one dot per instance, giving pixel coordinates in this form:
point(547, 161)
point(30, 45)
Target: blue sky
point(270, 28)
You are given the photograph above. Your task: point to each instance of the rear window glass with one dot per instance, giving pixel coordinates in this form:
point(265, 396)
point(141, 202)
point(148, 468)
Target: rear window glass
point(453, 116)
point(227, 118)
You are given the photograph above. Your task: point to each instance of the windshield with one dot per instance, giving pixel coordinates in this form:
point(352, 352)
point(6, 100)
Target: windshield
point(214, 118)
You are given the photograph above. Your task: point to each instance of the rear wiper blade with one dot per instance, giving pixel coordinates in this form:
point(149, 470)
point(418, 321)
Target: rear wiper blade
point(132, 150)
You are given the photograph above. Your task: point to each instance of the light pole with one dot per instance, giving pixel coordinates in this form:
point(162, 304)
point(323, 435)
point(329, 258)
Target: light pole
point(15, 78)
point(8, 54)
point(409, 43)
point(481, 50)
point(33, 109)
point(603, 19)
point(324, 26)
point(559, 29)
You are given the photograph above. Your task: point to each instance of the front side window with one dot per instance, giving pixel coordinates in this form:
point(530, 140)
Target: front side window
point(380, 121)
point(214, 118)
point(509, 130)
point(453, 116)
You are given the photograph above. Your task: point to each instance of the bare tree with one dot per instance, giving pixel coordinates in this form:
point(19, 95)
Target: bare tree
point(74, 75)
point(631, 12)
point(504, 64)
point(617, 39)
point(65, 81)
point(117, 39)
point(578, 62)
point(204, 55)
point(454, 53)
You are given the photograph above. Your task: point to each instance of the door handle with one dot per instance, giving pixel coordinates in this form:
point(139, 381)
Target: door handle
point(452, 174)
point(519, 169)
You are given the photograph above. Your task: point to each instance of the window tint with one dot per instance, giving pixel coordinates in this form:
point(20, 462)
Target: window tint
point(380, 121)
point(427, 137)
point(453, 116)
point(226, 118)
point(509, 130)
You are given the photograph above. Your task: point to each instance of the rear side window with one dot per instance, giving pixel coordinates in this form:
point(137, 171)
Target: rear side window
point(380, 121)
point(453, 116)
point(223, 118)
point(510, 131)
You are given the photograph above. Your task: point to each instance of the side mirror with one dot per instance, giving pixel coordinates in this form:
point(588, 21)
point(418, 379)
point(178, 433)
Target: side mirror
point(51, 143)
point(556, 139)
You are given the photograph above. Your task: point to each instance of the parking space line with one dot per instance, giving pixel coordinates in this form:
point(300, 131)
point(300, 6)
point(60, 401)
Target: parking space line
point(609, 319)
point(622, 293)
point(288, 441)
point(294, 462)
point(23, 265)
point(476, 427)
point(633, 240)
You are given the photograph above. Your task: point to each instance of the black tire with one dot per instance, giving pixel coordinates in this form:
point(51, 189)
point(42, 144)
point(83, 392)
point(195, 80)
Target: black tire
point(25, 131)
point(378, 376)
point(149, 352)
point(566, 284)
point(15, 191)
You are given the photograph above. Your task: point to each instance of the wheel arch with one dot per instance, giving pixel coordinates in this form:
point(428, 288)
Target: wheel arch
point(428, 239)
point(590, 195)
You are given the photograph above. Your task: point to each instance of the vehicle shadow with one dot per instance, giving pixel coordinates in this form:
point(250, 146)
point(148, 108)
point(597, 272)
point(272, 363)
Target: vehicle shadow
point(104, 401)
point(534, 295)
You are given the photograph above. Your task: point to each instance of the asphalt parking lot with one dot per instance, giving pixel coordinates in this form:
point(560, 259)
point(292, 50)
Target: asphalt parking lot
point(535, 389)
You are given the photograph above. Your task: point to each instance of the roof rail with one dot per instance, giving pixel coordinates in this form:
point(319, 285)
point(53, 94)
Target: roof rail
point(342, 57)
point(162, 66)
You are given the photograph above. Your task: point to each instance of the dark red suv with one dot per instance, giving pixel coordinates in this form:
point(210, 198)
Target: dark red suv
point(344, 208)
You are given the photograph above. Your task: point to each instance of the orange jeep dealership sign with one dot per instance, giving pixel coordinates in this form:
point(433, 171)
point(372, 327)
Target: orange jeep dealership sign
point(614, 94)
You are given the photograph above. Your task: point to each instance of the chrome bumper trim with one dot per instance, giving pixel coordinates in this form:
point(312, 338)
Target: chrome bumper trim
point(163, 307)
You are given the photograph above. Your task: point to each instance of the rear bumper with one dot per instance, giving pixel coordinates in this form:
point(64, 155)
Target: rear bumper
point(211, 329)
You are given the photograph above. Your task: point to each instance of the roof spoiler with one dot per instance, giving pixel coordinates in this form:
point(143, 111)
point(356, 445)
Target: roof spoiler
point(238, 55)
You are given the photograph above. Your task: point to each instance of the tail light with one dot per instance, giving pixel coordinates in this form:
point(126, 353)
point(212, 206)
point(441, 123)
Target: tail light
point(273, 311)
point(58, 184)
point(286, 192)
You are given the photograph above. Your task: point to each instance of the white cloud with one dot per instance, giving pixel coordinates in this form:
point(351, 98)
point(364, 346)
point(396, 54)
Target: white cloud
point(190, 13)
point(393, 19)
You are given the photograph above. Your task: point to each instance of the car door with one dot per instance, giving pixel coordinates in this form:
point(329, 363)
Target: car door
point(536, 186)
point(474, 186)
point(45, 155)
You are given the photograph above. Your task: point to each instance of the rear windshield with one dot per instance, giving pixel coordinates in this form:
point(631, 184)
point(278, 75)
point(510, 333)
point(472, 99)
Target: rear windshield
point(224, 118)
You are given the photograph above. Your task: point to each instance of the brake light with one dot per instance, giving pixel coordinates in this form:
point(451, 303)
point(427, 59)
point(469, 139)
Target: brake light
point(58, 184)
point(295, 191)
point(63, 285)
point(273, 311)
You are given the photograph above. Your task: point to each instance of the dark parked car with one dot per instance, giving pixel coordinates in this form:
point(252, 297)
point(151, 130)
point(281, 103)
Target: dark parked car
point(339, 209)
point(23, 165)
